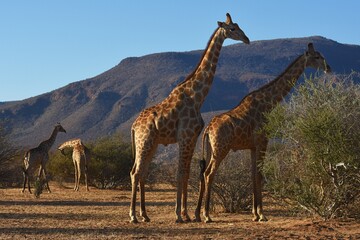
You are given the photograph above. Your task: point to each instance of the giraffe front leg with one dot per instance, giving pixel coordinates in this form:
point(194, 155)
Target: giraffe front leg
point(78, 179)
point(256, 216)
point(259, 208)
point(75, 175)
point(257, 179)
point(186, 174)
point(78, 176)
point(186, 149)
point(178, 197)
point(184, 212)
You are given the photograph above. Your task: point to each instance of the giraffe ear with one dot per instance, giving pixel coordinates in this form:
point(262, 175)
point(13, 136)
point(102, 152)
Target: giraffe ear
point(311, 48)
point(220, 24)
point(228, 18)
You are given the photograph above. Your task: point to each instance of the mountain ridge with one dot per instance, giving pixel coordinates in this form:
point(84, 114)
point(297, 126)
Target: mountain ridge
point(109, 102)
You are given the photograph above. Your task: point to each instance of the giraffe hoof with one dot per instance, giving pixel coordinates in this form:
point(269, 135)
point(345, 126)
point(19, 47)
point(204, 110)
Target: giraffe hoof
point(208, 220)
point(179, 220)
point(146, 219)
point(187, 218)
point(262, 219)
point(197, 219)
point(134, 220)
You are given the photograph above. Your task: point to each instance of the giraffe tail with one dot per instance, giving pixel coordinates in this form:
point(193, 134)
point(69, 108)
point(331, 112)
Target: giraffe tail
point(202, 163)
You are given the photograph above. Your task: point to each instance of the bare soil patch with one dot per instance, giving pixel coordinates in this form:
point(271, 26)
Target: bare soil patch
point(103, 214)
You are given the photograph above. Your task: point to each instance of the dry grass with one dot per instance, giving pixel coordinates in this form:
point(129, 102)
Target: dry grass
point(103, 214)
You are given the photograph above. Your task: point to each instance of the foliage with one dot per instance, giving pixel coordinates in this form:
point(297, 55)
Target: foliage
point(314, 158)
point(232, 187)
point(61, 167)
point(111, 162)
point(109, 165)
point(10, 170)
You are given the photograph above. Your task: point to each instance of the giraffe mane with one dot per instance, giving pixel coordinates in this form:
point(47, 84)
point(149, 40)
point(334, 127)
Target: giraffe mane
point(202, 57)
point(272, 82)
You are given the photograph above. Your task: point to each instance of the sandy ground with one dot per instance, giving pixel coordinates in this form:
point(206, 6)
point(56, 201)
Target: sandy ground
point(103, 214)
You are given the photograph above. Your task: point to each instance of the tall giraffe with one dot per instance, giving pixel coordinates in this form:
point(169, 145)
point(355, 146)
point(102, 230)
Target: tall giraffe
point(80, 157)
point(177, 119)
point(241, 128)
point(38, 157)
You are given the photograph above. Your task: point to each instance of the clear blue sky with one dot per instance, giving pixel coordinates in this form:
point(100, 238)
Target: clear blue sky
point(44, 45)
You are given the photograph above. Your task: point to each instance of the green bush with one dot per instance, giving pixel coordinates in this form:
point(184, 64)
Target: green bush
point(111, 162)
point(314, 159)
point(109, 165)
point(60, 167)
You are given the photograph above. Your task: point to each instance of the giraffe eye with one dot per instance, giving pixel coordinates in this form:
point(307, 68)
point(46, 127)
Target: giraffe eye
point(232, 29)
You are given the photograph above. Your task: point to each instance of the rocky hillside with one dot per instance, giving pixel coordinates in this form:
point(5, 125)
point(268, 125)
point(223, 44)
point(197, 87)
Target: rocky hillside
point(109, 102)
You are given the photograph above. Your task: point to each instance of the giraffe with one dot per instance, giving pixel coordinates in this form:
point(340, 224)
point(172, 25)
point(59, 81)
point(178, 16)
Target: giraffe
point(81, 158)
point(177, 119)
point(240, 128)
point(38, 157)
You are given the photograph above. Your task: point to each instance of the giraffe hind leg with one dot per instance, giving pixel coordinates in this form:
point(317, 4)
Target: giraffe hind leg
point(24, 185)
point(134, 182)
point(46, 180)
point(143, 213)
point(202, 164)
point(86, 179)
point(143, 168)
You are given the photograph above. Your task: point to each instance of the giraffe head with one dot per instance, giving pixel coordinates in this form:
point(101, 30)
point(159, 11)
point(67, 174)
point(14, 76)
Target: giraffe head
point(59, 128)
point(315, 60)
point(232, 30)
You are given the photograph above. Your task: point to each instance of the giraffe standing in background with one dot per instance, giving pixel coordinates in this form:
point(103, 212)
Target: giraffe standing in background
point(241, 128)
point(81, 158)
point(38, 157)
point(177, 119)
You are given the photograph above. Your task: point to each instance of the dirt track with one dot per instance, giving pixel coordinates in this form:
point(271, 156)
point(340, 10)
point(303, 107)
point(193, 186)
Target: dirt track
point(103, 214)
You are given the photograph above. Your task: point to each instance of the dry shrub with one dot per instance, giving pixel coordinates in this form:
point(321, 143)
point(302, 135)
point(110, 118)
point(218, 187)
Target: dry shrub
point(314, 159)
point(231, 189)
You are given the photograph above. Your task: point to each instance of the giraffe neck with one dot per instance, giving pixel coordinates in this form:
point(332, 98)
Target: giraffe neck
point(70, 143)
point(46, 145)
point(276, 90)
point(198, 83)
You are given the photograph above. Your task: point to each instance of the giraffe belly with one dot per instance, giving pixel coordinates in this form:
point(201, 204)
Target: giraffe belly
point(242, 142)
point(165, 140)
